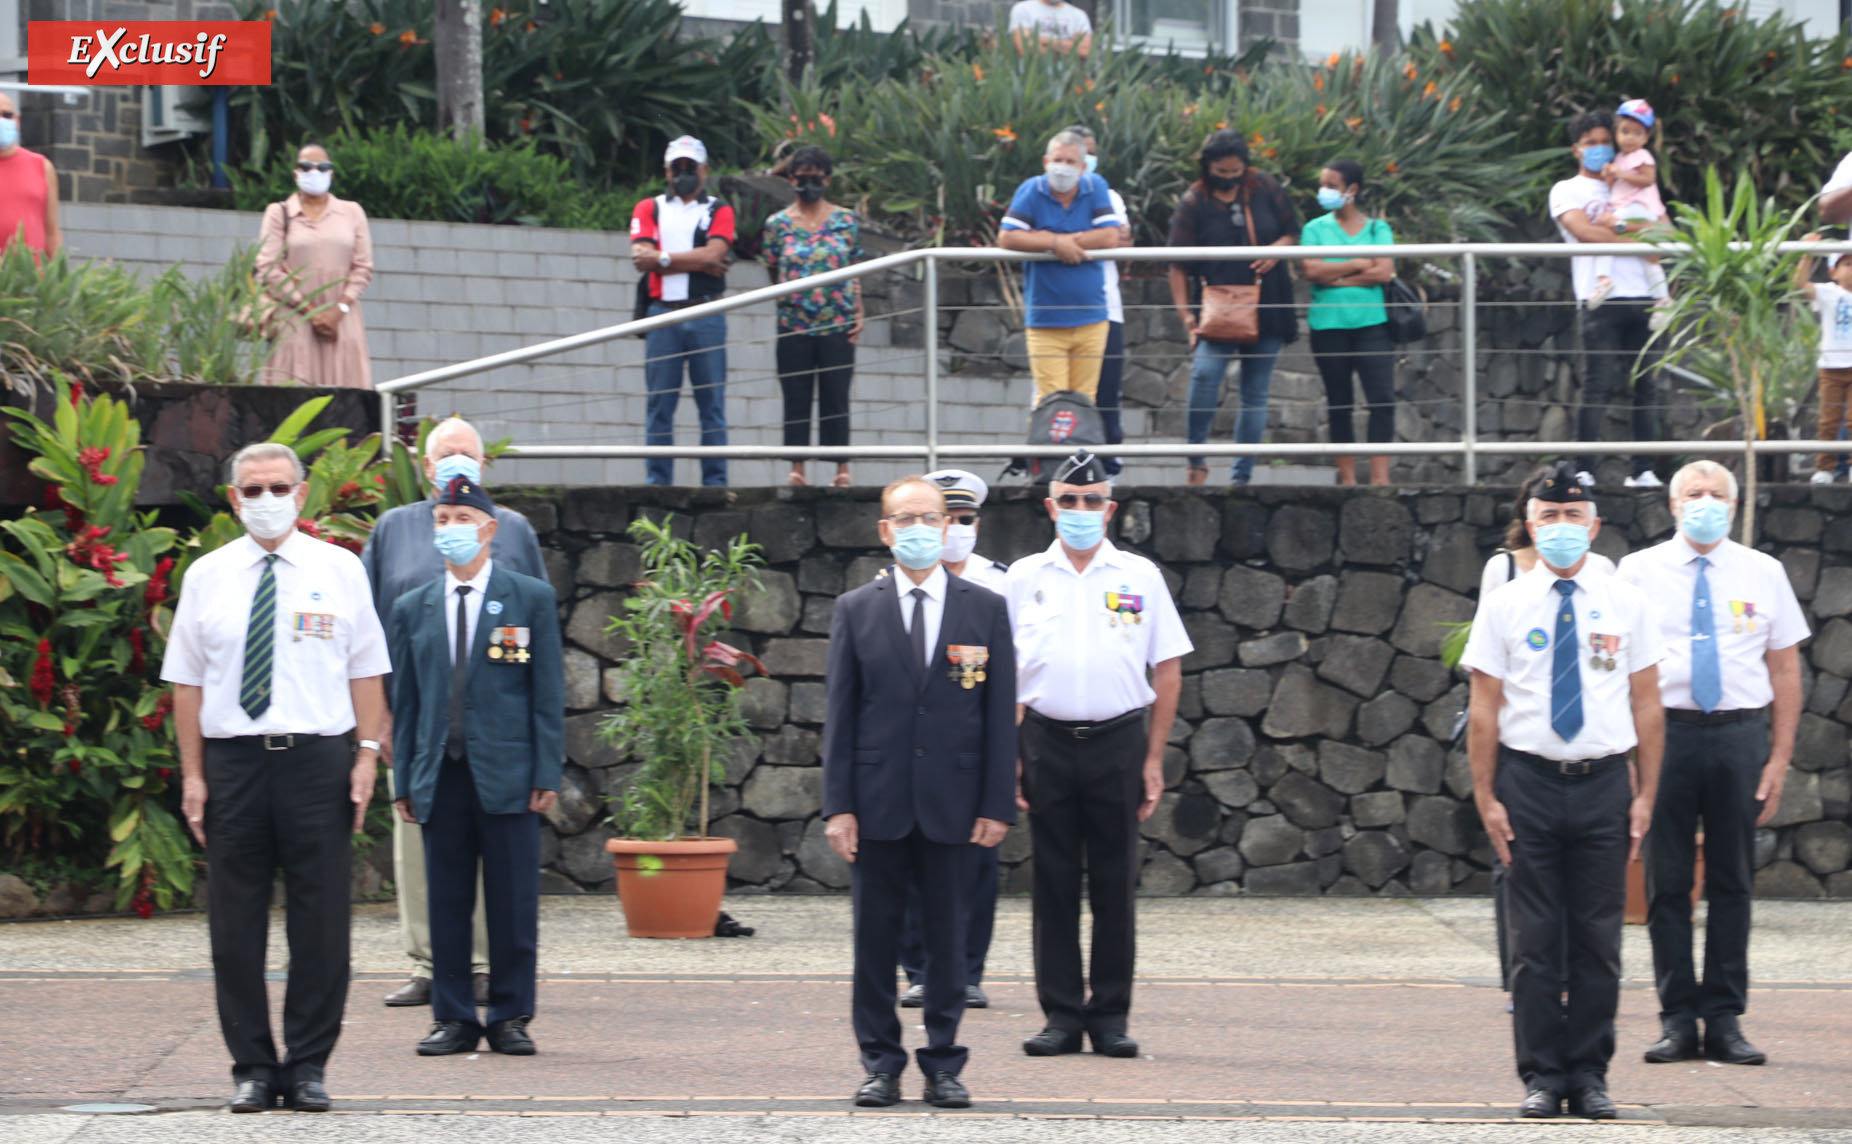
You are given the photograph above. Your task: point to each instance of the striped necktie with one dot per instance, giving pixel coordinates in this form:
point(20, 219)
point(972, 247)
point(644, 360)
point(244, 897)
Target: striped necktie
point(1566, 674)
point(260, 639)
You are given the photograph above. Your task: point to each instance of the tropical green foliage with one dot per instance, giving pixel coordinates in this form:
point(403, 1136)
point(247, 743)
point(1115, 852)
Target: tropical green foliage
point(681, 686)
point(94, 321)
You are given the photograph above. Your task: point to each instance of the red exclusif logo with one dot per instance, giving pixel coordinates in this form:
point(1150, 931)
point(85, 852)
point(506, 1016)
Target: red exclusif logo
point(168, 52)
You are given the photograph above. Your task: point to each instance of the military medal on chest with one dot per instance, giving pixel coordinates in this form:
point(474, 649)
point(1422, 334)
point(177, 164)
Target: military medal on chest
point(1743, 612)
point(1603, 648)
point(1124, 609)
point(509, 644)
point(967, 664)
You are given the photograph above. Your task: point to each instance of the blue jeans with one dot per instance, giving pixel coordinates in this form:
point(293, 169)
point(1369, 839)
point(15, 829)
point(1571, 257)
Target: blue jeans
point(1211, 362)
point(702, 344)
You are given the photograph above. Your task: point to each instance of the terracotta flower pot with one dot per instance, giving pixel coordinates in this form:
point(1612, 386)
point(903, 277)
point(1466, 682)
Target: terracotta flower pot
point(671, 889)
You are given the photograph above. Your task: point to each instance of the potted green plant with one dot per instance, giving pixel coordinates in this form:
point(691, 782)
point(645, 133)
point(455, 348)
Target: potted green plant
point(681, 710)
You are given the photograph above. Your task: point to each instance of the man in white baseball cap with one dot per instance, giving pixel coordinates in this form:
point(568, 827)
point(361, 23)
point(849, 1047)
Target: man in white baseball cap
point(680, 244)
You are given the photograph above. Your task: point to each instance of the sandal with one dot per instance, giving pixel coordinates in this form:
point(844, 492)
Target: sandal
point(1198, 475)
point(841, 480)
point(797, 479)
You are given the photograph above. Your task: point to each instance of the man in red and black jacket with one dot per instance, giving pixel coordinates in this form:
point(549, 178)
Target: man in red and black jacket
point(680, 242)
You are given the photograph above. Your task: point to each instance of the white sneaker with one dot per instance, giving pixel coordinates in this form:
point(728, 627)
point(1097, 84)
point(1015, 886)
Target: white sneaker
point(1602, 290)
point(1658, 320)
point(1646, 480)
point(1822, 477)
point(1587, 478)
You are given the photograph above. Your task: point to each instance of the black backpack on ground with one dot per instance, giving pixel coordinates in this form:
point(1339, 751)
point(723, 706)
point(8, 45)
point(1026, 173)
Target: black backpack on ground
point(1064, 418)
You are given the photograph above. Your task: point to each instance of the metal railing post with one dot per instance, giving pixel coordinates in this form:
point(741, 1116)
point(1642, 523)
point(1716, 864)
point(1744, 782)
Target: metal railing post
point(1469, 365)
point(930, 317)
point(388, 429)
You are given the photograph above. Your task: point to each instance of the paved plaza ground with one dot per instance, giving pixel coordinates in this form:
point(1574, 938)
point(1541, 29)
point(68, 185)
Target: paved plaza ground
point(1273, 1019)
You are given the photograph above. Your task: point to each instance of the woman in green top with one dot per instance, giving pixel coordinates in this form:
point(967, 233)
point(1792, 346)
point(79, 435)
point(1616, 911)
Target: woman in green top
point(1350, 327)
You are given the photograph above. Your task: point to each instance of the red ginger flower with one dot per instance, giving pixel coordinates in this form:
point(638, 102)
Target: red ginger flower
point(89, 548)
point(153, 720)
point(92, 460)
point(77, 393)
point(137, 653)
point(44, 679)
point(156, 591)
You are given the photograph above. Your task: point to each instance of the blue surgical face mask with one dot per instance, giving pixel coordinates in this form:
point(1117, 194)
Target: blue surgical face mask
point(9, 133)
point(1705, 520)
point(1562, 544)
point(1596, 156)
point(459, 542)
point(918, 546)
point(1330, 198)
point(1079, 528)
point(457, 465)
point(1093, 164)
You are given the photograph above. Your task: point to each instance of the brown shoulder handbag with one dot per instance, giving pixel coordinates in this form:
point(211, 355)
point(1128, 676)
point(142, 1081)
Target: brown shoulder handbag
point(1232, 313)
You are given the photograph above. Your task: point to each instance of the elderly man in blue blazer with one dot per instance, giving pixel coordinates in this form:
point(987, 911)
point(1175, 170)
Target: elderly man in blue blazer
point(479, 707)
point(919, 767)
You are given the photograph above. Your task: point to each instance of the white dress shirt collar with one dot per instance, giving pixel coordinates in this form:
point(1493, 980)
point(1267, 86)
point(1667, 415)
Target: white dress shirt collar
point(934, 585)
point(1104, 556)
point(291, 549)
point(478, 584)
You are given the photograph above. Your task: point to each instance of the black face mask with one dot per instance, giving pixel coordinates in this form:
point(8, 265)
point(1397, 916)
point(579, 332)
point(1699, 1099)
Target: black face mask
point(810, 189)
point(685, 184)
point(1226, 183)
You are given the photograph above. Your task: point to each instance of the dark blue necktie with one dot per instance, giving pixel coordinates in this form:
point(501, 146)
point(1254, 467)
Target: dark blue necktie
point(1706, 674)
point(1566, 678)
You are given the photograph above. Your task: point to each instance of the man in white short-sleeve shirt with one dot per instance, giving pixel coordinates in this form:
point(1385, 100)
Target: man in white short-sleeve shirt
point(1564, 684)
point(1056, 25)
point(1836, 195)
point(1732, 629)
point(276, 656)
point(1098, 642)
point(1615, 326)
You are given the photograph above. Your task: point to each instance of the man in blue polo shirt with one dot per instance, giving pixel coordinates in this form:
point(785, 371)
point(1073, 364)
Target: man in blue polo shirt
point(1067, 212)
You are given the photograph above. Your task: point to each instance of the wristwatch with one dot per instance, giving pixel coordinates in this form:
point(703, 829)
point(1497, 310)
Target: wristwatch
point(367, 745)
point(1620, 226)
point(343, 307)
point(662, 260)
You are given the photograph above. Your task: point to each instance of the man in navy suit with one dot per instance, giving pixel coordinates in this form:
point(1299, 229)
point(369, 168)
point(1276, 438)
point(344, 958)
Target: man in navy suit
point(919, 764)
point(479, 709)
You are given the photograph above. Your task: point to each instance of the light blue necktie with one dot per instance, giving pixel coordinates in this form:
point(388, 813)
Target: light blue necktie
point(1706, 675)
point(1566, 678)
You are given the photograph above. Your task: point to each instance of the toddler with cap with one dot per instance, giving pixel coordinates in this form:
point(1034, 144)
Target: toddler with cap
point(1633, 194)
point(1832, 304)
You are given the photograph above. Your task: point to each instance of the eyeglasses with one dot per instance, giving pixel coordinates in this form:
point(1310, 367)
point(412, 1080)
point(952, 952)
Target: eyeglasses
point(305, 165)
point(252, 492)
point(1091, 501)
point(964, 518)
point(9, 115)
point(909, 519)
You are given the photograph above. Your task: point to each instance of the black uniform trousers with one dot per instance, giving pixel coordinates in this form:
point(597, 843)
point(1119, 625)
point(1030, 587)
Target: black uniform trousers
point(459, 836)
point(1083, 795)
point(879, 881)
point(1566, 898)
point(1710, 775)
point(980, 920)
point(289, 808)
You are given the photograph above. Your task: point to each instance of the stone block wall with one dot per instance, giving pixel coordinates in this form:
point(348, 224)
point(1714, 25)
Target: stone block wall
point(1313, 750)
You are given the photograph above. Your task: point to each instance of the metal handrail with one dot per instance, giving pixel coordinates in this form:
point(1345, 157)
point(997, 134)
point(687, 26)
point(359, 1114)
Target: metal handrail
point(929, 259)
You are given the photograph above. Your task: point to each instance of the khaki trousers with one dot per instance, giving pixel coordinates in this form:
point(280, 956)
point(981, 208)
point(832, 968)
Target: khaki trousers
point(1835, 385)
point(414, 901)
point(1066, 358)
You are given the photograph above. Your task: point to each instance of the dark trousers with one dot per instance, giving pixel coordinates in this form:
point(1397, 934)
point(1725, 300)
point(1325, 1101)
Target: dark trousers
point(1370, 356)
point(1612, 338)
point(269, 809)
point(1109, 399)
point(879, 882)
point(1084, 796)
point(458, 837)
point(816, 367)
point(1710, 776)
point(980, 919)
point(1566, 897)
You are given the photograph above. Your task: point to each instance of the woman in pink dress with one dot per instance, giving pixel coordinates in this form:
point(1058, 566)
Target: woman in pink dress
point(315, 257)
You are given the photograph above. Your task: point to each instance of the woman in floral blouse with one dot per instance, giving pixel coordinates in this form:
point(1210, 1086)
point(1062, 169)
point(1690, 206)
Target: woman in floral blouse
point(817, 329)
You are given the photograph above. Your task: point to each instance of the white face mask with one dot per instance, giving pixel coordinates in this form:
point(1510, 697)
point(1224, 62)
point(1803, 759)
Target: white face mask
point(314, 182)
point(1062, 178)
point(960, 539)
point(267, 517)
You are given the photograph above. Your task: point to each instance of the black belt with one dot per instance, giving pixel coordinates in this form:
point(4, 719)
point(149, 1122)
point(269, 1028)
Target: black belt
point(1573, 768)
point(1712, 718)
point(684, 303)
point(1086, 730)
point(278, 742)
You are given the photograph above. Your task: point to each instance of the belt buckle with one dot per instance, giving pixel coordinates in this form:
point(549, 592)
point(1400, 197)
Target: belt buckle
point(279, 742)
point(1576, 767)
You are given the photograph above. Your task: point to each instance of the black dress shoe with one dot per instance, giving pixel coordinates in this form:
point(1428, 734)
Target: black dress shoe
point(447, 1037)
point(510, 1037)
point(914, 997)
point(879, 1091)
point(1724, 1041)
point(1591, 1102)
point(1052, 1043)
point(252, 1096)
point(1677, 1042)
point(1114, 1045)
point(417, 991)
point(976, 998)
point(1541, 1104)
point(480, 983)
point(946, 1091)
point(308, 1096)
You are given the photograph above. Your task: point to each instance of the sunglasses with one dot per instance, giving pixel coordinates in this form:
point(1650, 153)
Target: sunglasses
point(305, 165)
point(965, 518)
point(9, 115)
point(252, 492)
point(909, 519)
point(1091, 501)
